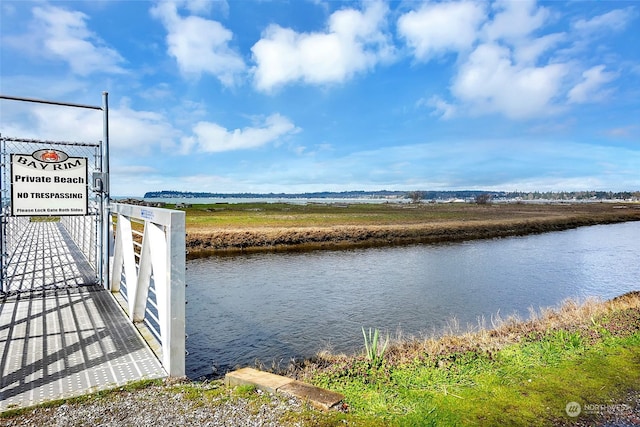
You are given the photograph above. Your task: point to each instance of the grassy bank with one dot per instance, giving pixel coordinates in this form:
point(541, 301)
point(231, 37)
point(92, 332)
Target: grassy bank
point(520, 373)
point(228, 228)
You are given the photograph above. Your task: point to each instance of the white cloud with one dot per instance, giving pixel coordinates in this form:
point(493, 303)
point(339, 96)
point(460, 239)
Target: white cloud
point(490, 82)
point(438, 164)
point(131, 131)
point(439, 27)
point(529, 51)
point(498, 68)
point(514, 20)
point(507, 61)
point(211, 137)
point(589, 89)
point(197, 6)
point(141, 132)
point(62, 34)
point(615, 20)
point(354, 42)
point(199, 45)
point(441, 107)
point(623, 132)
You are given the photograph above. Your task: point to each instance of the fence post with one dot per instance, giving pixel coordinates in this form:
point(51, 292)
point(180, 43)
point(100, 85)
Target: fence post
point(174, 351)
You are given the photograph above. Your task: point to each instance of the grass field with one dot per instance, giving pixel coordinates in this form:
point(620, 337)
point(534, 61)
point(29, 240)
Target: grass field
point(317, 215)
point(223, 228)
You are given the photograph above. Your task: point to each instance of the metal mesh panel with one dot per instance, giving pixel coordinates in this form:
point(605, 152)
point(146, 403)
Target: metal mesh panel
point(82, 230)
point(41, 252)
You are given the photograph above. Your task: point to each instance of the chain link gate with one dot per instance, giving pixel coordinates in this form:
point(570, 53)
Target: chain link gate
point(41, 252)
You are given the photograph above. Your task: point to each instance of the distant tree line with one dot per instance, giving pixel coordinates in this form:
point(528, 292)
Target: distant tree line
point(575, 195)
point(415, 196)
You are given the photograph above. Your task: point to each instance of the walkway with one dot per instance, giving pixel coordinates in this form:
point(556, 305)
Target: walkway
point(45, 256)
point(68, 337)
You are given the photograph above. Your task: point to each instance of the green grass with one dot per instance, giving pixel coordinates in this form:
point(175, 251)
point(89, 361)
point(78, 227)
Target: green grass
point(290, 215)
point(523, 384)
point(283, 215)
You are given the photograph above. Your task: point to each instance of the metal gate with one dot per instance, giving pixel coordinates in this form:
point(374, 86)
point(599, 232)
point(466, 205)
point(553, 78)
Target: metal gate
point(45, 251)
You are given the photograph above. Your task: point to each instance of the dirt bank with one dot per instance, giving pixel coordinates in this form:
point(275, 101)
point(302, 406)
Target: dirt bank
point(468, 223)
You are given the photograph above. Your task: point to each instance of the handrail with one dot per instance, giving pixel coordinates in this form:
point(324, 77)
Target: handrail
point(159, 275)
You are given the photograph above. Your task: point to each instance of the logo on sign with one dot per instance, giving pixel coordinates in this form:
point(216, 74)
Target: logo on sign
point(50, 156)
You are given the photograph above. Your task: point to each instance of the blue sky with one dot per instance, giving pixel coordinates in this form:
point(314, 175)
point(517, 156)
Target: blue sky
point(300, 96)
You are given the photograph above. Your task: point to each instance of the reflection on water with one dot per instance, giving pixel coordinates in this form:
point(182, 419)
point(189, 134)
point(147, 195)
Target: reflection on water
point(274, 306)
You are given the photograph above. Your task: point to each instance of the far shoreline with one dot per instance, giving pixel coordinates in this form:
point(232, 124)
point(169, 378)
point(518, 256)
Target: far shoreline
point(455, 223)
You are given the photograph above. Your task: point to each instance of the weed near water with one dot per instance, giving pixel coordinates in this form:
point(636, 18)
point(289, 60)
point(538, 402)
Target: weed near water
point(374, 351)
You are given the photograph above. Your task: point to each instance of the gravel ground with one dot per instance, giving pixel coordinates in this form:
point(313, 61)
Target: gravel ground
point(158, 406)
point(164, 406)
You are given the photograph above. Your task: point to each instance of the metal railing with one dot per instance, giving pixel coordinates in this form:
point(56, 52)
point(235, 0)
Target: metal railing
point(148, 273)
point(84, 231)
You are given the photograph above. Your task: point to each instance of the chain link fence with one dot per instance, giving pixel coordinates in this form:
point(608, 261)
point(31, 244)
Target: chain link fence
point(70, 243)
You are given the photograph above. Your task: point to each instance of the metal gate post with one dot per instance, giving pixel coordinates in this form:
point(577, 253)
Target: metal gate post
point(105, 209)
point(2, 221)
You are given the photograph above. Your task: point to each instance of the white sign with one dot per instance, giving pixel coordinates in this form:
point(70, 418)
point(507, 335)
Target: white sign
point(48, 182)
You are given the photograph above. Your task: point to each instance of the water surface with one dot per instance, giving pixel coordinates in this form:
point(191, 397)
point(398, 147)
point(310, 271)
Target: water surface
point(272, 307)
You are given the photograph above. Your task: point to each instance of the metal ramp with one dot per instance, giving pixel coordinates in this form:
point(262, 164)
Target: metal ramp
point(45, 257)
point(68, 342)
point(67, 336)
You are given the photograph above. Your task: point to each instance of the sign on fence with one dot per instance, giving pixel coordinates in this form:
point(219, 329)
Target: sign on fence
point(48, 182)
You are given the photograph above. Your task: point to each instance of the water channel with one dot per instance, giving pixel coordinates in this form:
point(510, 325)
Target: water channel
point(271, 307)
